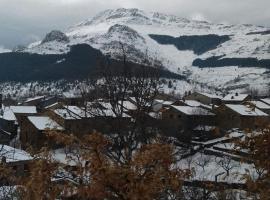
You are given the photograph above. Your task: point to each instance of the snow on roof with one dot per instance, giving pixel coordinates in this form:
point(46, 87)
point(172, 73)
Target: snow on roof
point(52, 105)
point(8, 114)
point(212, 96)
point(235, 97)
point(193, 110)
point(213, 171)
point(163, 102)
point(24, 109)
point(128, 105)
point(245, 110)
point(103, 109)
point(192, 103)
point(66, 114)
point(44, 123)
point(34, 98)
point(260, 105)
point(78, 111)
point(71, 95)
point(14, 155)
point(266, 100)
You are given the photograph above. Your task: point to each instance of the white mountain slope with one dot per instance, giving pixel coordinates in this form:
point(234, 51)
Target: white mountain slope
point(132, 27)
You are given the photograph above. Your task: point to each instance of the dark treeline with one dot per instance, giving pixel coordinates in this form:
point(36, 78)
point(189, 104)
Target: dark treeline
point(81, 62)
point(218, 61)
point(199, 44)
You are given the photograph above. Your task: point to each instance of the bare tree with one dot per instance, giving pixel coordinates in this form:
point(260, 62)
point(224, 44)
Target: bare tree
point(107, 95)
point(226, 162)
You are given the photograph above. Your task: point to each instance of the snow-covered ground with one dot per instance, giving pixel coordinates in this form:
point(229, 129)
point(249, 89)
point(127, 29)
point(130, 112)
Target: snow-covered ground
point(211, 168)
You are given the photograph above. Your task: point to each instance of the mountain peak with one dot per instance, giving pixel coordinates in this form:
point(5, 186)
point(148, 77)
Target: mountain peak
point(55, 35)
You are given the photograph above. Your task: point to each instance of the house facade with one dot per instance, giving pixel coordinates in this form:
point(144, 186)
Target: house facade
point(240, 116)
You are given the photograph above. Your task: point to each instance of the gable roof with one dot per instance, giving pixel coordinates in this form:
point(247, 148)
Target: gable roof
point(14, 155)
point(78, 111)
point(191, 103)
point(266, 100)
point(245, 110)
point(235, 97)
point(8, 114)
point(43, 123)
point(24, 109)
point(193, 110)
point(34, 99)
point(260, 105)
point(163, 102)
point(212, 96)
point(66, 114)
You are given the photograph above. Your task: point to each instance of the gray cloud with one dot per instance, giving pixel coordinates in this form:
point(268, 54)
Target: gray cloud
point(23, 21)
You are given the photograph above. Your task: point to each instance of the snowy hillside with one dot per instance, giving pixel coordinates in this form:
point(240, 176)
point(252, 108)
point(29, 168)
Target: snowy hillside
point(133, 27)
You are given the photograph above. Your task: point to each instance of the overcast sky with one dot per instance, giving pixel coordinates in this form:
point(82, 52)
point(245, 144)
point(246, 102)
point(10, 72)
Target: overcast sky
point(24, 21)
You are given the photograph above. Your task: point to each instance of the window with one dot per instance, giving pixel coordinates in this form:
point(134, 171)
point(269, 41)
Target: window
point(179, 116)
point(171, 116)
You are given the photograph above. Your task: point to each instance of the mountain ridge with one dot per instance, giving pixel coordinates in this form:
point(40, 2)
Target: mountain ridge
point(112, 29)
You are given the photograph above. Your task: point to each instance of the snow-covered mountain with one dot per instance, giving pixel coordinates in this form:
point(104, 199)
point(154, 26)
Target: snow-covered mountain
point(173, 42)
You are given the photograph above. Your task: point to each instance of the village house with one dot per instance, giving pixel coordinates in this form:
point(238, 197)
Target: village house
point(10, 119)
point(42, 102)
point(107, 119)
point(34, 130)
point(20, 112)
point(75, 120)
point(204, 98)
point(240, 116)
point(8, 127)
point(236, 98)
point(17, 159)
point(178, 119)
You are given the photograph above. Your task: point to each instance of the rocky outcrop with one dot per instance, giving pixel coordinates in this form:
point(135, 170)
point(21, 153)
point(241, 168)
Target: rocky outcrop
point(55, 35)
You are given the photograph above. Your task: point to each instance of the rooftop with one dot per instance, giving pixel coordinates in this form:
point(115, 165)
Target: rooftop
point(66, 114)
point(235, 97)
point(245, 110)
point(260, 105)
point(44, 123)
point(212, 96)
point(128, 105)
point(14, 155)
point(78, 111)
point(35, 98)
point(193, 110)
point(24, 109)
point(266, 100)
point(163, 102)
point(192, 103)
